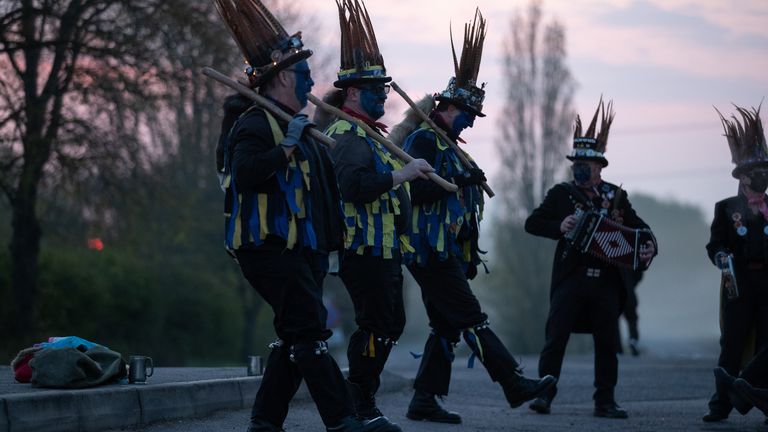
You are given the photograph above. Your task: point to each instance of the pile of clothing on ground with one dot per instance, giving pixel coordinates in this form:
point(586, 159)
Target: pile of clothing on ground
point(68, 362)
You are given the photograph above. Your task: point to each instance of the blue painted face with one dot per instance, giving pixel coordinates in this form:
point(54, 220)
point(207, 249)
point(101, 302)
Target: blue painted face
point(372, 100)
point(304, 81)
point(582, 172)
point(462, 121)
point(758, 180)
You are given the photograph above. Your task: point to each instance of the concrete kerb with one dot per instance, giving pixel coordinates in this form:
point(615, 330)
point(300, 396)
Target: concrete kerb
point(3, 416)
point(120, 406)
point(134, 406)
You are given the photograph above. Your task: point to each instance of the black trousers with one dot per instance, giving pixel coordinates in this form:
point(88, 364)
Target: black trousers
point(594, 299)
point(375, 285)
point(740, 317)
point(756, 371)
point(291, 283)
point(453, 309)
point(630, 315)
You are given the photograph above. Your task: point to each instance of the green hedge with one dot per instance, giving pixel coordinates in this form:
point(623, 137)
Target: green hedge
point(178, 313)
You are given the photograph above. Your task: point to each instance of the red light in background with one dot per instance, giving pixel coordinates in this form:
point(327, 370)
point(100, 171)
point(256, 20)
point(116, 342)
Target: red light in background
point(95, 244)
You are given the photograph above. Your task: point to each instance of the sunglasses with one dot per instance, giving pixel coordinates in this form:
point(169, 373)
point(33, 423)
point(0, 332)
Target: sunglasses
point(384, 88)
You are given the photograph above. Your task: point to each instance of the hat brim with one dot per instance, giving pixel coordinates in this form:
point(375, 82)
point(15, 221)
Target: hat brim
point(351, 82)
point(745, 168)
point(461, 105)
point(282, 64)
point(603, 161)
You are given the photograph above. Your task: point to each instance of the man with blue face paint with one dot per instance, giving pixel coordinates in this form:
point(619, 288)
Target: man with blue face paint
point(282, 218)
point(374, 191)
point(444, 234)
point(586, 293)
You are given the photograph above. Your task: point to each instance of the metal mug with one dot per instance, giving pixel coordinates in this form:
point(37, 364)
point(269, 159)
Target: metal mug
point(255, 366)
point(137, 369)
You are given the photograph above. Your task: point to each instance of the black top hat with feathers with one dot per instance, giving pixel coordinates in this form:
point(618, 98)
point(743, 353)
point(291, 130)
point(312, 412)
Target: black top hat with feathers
point(462, 88)
point(265, 44)
point(361, 60)
point(591, 144)
point(746, 140)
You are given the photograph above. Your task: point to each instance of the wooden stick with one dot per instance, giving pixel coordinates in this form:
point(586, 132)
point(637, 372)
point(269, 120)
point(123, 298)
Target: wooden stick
point(264, 103)
point(443, 136)
point(397, 151)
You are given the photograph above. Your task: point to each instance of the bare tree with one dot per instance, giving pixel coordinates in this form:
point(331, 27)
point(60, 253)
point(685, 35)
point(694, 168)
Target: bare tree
point(77, 75)
point(533, 140)
point(534, 128)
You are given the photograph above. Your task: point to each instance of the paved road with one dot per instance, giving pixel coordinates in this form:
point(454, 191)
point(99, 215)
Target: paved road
point(661, 394)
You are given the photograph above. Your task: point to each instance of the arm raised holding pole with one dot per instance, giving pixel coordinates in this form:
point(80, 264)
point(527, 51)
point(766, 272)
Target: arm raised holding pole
point(319, 136)
point(263, 103)
point(443, 136)
point(395, 150)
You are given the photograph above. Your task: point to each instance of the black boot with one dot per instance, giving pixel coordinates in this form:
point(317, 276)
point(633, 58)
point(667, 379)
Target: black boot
point(355, 424)
point(755, 396)
point(259, 425)
point(725, 381)
point(520, 389)
point(423, 406)
point(364, 401)
point(610, 410)
point(541, 405)
point(714, 416)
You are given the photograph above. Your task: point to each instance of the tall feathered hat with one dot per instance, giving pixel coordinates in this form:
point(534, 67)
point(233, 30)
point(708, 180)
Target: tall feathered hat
point(746, 140)
point(462, 88)
point(361, 60)
point(265, 44)
point(591, 145)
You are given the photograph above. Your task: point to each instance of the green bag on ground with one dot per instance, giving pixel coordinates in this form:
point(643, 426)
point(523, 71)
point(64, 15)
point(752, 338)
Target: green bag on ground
point(71, 368)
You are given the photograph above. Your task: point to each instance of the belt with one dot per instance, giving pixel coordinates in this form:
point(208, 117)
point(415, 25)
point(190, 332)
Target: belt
point(593, 272)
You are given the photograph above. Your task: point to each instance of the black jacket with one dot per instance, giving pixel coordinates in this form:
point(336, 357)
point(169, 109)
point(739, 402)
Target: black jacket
point(359, 182)
point(558, 204)
point(256, 158)
point(424, 147)
point(752, 247)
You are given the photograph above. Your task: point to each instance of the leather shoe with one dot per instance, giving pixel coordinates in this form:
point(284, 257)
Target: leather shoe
point(726, 383)
point(423, 406)
point(610, 410)
point(714, 416)
point(756, 396)
point(356, 424)
point(541, 405)
point(523, 389)
point(258, 425)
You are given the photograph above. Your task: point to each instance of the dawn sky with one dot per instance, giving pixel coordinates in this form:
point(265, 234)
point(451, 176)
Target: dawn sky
point(664, 63)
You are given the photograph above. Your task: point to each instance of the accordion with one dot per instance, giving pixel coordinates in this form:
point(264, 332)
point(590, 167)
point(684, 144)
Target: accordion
point(607, 240)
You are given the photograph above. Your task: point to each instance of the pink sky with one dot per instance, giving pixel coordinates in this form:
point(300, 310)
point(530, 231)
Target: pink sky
point(664, 63)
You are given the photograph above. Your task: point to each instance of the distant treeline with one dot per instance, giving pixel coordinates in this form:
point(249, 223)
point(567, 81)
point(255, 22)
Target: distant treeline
point(176, 296)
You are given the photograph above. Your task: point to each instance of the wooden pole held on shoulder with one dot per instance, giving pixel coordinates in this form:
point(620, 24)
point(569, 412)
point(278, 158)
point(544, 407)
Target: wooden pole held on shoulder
point(264, 103)
point(395, 150)
point(443, 136)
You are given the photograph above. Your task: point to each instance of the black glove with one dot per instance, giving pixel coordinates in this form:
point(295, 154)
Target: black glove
point(296, 127)
point(473, 176)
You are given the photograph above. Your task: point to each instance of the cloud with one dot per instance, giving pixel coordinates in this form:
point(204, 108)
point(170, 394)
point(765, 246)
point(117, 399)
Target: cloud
point(664, 62)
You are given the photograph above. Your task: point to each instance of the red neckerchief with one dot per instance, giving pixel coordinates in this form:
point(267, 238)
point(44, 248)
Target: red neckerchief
point(367, 120)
